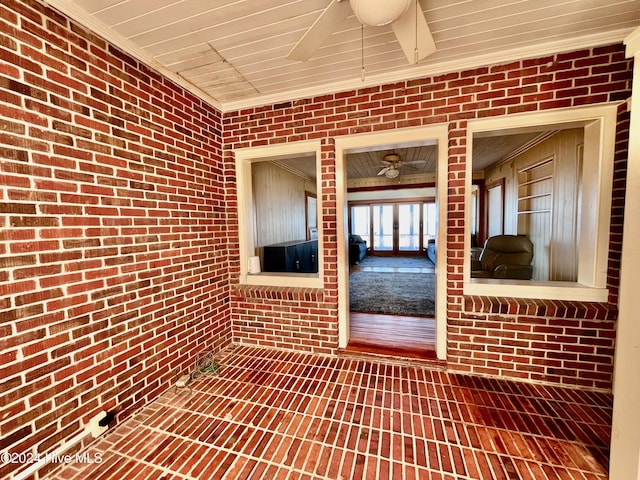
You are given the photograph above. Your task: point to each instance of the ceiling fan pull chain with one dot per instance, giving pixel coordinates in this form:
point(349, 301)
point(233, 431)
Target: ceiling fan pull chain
point(362, 52)
point(416, 54)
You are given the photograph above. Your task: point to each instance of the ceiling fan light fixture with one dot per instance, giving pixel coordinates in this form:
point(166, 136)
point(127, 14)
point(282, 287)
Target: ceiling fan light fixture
point(391, 157)
point(377, 13)
point(392, 173)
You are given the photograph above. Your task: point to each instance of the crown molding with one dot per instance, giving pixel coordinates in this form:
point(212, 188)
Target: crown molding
point(292, 170)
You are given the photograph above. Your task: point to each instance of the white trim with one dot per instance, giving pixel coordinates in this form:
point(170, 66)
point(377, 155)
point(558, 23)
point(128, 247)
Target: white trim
point(434, 134)
point(295, 280)
point(244, 157)
point(625, 434)
point(632, 42)
point(342, 229)
point(599, 122)
point(537, 290)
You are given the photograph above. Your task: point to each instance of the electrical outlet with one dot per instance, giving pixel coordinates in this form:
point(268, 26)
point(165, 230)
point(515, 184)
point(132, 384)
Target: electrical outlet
point(95, 429)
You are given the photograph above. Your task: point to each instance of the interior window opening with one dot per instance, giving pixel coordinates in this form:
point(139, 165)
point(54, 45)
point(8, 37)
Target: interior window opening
point(280, 215)
point(532, 193)
point(539, 206)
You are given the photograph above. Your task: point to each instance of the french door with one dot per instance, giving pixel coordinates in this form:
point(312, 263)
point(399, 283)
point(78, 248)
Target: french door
point(384, 240)
point(394, 228)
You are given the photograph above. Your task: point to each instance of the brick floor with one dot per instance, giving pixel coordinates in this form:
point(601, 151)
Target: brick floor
point(273, 414)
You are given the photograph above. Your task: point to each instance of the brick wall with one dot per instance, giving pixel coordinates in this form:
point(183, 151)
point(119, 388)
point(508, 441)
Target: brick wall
point(119, 227)
point(543, 341)
point(113, 252)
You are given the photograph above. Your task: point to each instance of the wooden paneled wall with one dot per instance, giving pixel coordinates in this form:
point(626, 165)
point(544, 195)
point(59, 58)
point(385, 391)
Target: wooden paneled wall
point(279, 197)
point(554, 234)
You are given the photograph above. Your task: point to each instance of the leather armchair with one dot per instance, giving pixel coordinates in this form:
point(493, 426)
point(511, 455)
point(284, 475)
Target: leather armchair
point(505, 256)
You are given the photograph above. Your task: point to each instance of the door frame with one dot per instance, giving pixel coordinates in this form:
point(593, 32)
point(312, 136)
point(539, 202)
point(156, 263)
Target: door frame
point(429, 135)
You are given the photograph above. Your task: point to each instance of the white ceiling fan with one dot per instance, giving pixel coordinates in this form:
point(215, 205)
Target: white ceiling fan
point(406, 18)
point(392, 162)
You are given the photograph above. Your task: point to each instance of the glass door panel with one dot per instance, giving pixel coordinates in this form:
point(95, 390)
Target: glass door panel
point(496, 210)
point(429, 222)
point(361, 223)
point(409, 227)
point(383, 227)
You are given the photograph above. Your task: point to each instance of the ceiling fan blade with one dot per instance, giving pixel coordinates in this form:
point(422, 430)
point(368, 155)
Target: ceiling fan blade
point(384, 170)
point(329, 19)
point(405, 30)
point(414, 162)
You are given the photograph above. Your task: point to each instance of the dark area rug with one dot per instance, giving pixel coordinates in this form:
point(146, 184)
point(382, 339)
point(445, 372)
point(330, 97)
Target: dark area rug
point(409, 294)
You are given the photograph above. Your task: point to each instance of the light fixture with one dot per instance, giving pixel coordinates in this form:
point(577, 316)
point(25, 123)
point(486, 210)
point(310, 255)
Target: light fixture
point(376, 13)
point(391, 157)
point(392, 173)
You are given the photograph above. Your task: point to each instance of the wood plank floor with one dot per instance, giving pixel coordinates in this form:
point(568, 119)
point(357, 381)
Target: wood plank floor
point(392, 335)
point(411, 337)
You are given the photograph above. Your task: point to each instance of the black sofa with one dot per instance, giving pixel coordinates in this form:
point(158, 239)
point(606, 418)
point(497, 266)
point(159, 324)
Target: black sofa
point(431, 250)
point(357, 249)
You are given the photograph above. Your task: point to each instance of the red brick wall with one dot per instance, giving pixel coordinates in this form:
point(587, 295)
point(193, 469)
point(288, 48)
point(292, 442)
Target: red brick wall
point(113, 252)
point(119, 226)
point(497, 336)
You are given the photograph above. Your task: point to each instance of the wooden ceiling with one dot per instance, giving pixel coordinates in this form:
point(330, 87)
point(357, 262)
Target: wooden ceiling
point(368, 164)
point(487, 150)
point(365, 165)
point(234, 53)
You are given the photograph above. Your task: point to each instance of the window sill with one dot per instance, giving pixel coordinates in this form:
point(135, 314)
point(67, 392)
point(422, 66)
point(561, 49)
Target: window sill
point(570, 291)
point(297, 280)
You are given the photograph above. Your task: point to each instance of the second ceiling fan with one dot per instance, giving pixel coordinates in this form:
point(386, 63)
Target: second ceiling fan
point(406, 18)
point(391, 162)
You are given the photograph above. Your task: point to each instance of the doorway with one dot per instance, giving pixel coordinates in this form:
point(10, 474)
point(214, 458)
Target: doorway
point(400, 227)
point(392, 289)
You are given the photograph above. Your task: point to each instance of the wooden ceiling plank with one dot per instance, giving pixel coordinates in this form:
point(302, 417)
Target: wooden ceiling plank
point(177, 17)
point(216, 24)
point(255, 37)
point(520, 34)
point(538, 18)
point(131, 10)
point(94, 6)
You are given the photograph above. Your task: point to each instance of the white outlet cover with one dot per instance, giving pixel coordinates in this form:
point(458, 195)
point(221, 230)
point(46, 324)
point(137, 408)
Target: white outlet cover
point(95, 429)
